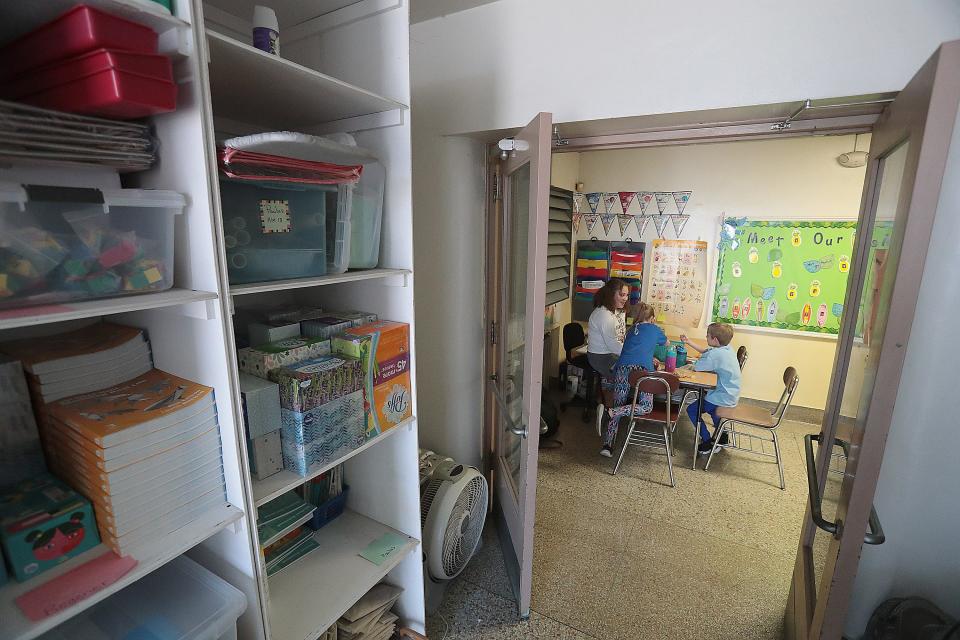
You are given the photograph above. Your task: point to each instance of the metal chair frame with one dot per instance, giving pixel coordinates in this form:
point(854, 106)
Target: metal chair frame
point(736, 438)
point(648, 382)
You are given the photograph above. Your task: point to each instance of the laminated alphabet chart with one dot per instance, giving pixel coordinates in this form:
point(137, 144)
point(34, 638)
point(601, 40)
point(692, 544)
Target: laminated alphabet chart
point(783, 274)
point(678, 281)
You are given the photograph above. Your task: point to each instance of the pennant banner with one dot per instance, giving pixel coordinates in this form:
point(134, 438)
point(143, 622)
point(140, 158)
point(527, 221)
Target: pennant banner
point(577, 202)
point(641, 222)
point(593, 199)
point(623, 222)
point(644, 200)
point(591, 220)
point(663, 199)
point(607, 220)
point(610, 202)
point(681, 198)
point(626, 197)
point(576, 221)
point(661, 224)
point(679, 222)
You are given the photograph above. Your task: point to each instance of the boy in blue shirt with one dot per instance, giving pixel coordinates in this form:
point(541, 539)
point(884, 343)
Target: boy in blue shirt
point(719, 358)
point(637, 353)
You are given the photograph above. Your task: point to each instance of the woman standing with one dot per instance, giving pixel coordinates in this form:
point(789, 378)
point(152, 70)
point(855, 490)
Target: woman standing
point(606, 331)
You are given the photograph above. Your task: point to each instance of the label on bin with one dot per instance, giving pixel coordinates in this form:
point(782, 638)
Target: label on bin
point(275, 216)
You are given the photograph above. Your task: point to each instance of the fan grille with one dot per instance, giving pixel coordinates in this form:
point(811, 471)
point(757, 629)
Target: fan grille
point(465, 526)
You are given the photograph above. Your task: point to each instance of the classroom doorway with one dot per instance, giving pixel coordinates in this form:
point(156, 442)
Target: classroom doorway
point(618, 554)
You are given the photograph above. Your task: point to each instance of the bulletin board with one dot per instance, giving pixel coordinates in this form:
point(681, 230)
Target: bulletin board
point(784, 274)
point(678, 281)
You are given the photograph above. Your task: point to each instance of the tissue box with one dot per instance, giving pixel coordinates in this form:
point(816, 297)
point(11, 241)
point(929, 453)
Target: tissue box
point(265, 455)
point(261, 360)
point(333, 322)
point(320, 435)
point(43, 523)
point(384, 349)
point(261, 405)
point(264, 332)
point(312, 383)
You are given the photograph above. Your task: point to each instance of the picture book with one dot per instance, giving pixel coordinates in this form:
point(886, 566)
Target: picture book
point(127, 411)
point(94, 343)
point(106, 377)
point(135, 350)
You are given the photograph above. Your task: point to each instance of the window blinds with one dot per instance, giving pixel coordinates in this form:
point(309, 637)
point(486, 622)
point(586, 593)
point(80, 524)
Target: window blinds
point(559, 241)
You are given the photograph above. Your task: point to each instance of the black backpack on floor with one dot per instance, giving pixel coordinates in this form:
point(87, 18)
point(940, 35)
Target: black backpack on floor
point(911, 619)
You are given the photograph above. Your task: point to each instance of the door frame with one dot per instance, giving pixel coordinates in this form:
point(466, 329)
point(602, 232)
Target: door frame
point(937, 93)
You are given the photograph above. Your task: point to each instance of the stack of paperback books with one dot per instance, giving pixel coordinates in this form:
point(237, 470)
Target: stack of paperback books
point(146, 453)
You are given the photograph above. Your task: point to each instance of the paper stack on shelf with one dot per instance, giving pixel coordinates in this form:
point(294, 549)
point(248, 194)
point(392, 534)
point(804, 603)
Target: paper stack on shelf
point(278, 516)
point(289, 549)
point(35, 135)
point(88, 359)
point(370, 618)
point(145, 452)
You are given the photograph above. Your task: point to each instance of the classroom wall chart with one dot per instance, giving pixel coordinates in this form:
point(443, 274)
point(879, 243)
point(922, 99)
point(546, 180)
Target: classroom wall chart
point(678, 281)
point(783, 274)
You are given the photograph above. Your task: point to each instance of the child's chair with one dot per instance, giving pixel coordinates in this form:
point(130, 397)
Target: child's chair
point(664, 416)
point(757, 418)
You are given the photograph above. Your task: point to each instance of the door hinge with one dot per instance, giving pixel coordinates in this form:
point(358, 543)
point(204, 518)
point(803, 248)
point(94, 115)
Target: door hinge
point(497, 188)
point(493, 332)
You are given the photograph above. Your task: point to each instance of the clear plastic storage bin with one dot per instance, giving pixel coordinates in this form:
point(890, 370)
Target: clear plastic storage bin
point(62, 244)
point(179, 601)
point(275, 231)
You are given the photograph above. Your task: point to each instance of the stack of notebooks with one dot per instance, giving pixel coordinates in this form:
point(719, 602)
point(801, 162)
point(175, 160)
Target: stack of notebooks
point(146, 453)
point(94, 357)
point(289, 549)
point(280, 516)
point(370, 618)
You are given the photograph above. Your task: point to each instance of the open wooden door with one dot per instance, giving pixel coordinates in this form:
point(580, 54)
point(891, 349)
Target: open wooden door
point(908, 154)
point(518, 245)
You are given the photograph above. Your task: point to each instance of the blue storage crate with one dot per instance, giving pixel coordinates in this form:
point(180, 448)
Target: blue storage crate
point(329, 510)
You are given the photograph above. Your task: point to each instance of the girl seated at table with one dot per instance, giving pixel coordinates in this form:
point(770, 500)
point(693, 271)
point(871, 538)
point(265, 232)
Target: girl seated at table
point(636, 354)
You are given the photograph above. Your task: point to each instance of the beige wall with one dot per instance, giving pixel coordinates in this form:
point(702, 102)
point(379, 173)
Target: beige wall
point(793, 178)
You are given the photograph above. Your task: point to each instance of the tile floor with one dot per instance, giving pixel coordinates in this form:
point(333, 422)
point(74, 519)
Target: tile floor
point(628, 557)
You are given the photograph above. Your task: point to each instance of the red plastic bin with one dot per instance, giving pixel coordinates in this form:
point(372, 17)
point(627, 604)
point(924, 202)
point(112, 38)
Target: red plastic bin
point(110, 93)
point(78, 31)
point(65, 71)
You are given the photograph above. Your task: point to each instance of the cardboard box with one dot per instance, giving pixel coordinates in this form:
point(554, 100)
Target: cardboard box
point(384, 349)
point(261, 405)
point(266, 457)
point(43, 523)
point(261, 360)
point(265, 332)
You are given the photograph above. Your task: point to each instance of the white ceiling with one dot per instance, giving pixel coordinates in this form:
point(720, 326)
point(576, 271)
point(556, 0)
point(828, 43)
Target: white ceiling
point(422, 10)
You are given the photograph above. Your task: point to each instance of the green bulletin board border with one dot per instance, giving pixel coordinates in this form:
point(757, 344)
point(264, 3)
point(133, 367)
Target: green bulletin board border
point(789, 224)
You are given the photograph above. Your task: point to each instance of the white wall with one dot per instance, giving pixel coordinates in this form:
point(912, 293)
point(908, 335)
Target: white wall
point(788, 179)
point(497, 65)
point(916, 497)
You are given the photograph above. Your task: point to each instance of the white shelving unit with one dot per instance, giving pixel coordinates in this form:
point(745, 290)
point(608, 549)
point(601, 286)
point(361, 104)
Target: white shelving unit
point(330, 79)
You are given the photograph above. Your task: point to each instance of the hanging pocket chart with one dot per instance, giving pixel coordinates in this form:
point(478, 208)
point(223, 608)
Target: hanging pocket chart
point(783, 274)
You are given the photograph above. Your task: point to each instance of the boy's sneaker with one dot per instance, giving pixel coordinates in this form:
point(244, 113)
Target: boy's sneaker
point(607, 451)
point(705, 448)
point(724, 440)
point(601, 411)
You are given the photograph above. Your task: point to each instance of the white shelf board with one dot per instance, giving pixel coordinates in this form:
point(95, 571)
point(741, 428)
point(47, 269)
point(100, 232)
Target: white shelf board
point(279, 483)
point(289, 12)
point(16, 626)
point(300, 283)
point(28, 316)
point(21, 17)
point(251, 86)
point(307, 597)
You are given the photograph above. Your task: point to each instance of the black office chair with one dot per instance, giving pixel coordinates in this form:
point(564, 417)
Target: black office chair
point(573, 337)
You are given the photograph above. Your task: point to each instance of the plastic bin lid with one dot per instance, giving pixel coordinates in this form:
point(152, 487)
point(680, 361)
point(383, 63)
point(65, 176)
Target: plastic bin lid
point(301, 146)
point(144, 198)
point(179, 601)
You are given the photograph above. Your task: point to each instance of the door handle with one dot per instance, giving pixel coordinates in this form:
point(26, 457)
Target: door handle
point(517, 431)
point(876, 534)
